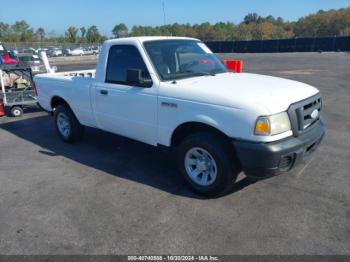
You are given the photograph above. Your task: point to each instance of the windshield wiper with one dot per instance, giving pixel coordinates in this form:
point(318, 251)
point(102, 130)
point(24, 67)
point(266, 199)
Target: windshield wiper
point(202, 73)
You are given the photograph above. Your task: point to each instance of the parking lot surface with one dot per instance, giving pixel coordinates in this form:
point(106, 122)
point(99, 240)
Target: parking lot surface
point(110, 195)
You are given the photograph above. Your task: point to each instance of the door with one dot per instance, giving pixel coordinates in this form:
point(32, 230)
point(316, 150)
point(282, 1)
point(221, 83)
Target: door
point(121, 107)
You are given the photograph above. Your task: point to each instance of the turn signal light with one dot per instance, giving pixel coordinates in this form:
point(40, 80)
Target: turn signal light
point(262, 127)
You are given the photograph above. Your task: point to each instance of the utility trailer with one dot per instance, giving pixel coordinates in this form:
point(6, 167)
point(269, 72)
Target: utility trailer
point(17, 88)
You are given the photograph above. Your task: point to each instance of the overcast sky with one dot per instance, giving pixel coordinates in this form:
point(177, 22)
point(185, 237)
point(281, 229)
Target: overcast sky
point(58, 15)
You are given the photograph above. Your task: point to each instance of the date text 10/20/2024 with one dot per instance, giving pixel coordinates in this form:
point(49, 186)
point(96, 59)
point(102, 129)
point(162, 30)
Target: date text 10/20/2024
point(173, 258)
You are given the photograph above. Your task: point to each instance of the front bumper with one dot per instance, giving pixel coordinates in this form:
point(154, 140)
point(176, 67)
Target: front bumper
point(262, 160)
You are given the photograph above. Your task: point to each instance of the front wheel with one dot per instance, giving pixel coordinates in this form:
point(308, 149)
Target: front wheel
point(207, 163)
point(67, 125)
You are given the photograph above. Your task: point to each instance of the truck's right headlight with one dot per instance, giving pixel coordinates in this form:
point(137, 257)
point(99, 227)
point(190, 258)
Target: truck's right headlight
point(272, 125)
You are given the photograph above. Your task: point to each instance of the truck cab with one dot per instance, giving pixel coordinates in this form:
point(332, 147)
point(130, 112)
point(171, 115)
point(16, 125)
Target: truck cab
point(175, 93)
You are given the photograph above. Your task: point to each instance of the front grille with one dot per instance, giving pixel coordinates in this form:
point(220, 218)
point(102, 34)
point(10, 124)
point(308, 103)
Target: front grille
point(305, 114)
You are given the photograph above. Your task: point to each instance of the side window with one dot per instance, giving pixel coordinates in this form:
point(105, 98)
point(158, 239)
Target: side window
point(120, 59)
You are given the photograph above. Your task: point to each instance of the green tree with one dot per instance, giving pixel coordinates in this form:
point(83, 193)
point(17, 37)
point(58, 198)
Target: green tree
point(40, 34)
point(82, 38)
point(93, 35)
point(21, 31)
point(83, 31)
point(324, 23)
point(251, 18)
point(103, 38)
point(4, 31)
point(178, 30)
point(120, 30)
point(71, 34)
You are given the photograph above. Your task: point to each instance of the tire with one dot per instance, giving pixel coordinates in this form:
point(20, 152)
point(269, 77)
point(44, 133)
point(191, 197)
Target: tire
point(223, 166)
point(67, 125)
point(16, 111)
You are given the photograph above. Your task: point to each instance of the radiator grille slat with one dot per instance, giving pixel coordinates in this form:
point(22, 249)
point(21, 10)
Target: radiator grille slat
point(305, 114)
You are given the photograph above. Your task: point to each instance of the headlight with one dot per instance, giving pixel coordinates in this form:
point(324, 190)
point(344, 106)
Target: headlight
point(272, 125)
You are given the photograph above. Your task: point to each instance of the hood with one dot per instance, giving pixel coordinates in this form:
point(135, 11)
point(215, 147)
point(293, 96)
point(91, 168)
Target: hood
point(243, 91)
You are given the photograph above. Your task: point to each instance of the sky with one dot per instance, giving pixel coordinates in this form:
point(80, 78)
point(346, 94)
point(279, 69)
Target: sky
point(57, 15)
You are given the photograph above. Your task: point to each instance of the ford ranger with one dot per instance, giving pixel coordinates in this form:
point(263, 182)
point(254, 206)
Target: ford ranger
point(175, 93)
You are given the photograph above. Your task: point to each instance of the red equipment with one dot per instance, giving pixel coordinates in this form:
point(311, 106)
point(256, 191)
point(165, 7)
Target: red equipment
point(5, 57)
point(234, 65)
point(8, 60)
point(2, 108)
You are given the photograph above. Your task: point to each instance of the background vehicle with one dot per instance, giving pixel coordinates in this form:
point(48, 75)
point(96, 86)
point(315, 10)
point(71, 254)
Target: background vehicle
point(66, 52)
point(95, 50)
point(175, 93)
point(27, 51)
point(88, 51)
point(32, 61)
point(54, 52)
point(39, 50)
point(77, 52)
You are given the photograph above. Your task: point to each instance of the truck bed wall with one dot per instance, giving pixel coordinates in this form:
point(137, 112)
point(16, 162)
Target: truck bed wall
point(75, 90)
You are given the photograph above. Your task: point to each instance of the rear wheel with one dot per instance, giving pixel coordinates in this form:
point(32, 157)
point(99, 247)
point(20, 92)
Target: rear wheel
point(16, 111)
point(67, 125)
point(207, 163)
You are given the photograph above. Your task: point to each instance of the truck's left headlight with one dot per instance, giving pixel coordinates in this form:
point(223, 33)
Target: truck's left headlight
point(272, 125)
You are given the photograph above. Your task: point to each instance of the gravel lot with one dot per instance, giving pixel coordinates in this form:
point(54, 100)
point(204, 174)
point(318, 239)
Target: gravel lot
point(110, 195)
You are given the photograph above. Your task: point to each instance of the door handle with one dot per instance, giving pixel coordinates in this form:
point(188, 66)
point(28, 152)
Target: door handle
point(103, 92)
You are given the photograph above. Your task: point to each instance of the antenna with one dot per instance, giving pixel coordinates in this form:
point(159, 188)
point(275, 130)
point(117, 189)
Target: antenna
point(164, 16)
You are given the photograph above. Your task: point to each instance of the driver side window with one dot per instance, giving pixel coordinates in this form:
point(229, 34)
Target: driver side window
point(120, 59)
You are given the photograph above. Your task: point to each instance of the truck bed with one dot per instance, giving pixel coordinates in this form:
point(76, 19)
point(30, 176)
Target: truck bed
point(73, 86)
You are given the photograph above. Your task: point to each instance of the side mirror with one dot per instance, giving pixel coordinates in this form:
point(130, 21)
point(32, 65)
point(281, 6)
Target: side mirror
point(134, 77)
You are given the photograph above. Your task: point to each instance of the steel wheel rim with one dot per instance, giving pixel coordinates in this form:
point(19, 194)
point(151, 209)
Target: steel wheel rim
point(200, 166)
point(16, 112)
point(63, 125)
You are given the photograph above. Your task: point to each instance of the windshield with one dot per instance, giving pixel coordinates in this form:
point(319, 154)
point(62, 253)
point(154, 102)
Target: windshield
point(26, 58)
point(176, 59)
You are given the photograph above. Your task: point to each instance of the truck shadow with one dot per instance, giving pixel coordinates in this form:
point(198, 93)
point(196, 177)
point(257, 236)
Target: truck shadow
point(112, 154)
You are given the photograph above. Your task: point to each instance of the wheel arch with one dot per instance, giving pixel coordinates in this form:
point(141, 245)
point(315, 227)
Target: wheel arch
point(187, 128)
point(56, 101)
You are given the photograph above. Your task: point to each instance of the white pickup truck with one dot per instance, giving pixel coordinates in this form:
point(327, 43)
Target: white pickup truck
point(175, 93)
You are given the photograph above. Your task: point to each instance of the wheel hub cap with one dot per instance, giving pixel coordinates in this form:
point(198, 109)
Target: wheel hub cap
point(63, 125)
point(200, 166)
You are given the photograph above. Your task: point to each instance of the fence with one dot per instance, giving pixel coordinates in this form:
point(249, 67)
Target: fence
point(325, 44)
point(36, 45)
point(341, 43)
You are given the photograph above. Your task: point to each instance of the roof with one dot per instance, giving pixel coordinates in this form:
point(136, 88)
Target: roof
point(148, 38)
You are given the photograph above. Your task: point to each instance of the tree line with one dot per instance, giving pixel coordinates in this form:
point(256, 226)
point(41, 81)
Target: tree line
point(20, 31)
point(253, 27)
